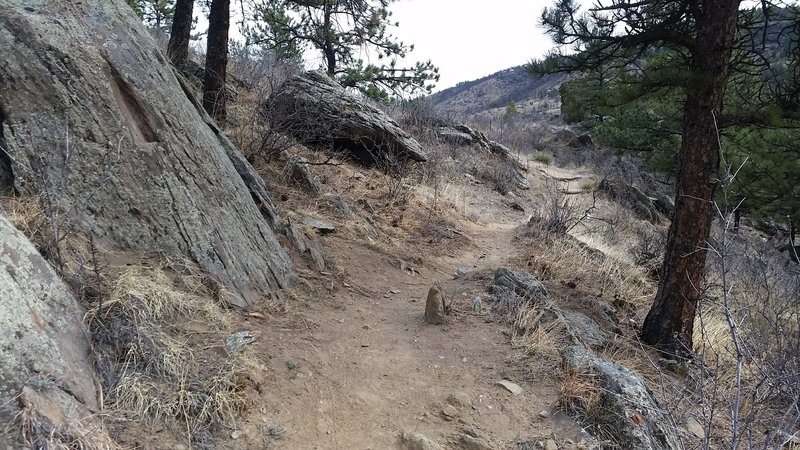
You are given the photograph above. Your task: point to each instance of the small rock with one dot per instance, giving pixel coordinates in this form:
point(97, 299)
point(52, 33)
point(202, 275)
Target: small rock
point(459, 400)
point(418, 441)
point(449, 412)
point(477, 305)
point(472, 179)
point(470, 431)
point(460, 272)
point(665, 205)
point(584, 329)
point(236, 434)
point(514, 388)
point(239, 340)
point(300, 173)
point(468, 442)
point(434, 307)
point(516, 206)
point(320, 226)
point(550, 445)
point(544, 413)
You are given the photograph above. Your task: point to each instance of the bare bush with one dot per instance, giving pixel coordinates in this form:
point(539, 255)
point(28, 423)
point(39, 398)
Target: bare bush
point(261, 74)
point(558, 213)
point(746, 379)
point(647, 249)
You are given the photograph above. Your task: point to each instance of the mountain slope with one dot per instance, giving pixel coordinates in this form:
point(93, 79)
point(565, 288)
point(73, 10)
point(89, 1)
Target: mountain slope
point(495, 91)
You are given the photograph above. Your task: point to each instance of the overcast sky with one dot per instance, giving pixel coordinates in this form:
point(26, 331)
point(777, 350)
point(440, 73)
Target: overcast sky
point(469, 39)
point(466, 39)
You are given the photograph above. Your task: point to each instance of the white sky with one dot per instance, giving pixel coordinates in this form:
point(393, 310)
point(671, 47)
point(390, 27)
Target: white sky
point(465, 39)
point(469, 39)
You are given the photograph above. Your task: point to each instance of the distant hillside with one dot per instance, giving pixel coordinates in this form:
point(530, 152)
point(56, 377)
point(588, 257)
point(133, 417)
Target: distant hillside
point(490, 94)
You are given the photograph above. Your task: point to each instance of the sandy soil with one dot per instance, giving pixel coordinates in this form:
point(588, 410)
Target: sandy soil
point(354, 365)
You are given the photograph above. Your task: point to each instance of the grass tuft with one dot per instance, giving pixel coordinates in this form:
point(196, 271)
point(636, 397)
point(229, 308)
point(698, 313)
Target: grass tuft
point(152, 362)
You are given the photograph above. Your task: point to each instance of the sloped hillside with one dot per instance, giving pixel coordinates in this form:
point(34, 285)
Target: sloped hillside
point(491, 94)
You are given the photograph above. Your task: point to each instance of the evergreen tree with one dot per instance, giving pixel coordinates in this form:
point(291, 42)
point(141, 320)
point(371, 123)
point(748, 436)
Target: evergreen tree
point(155, 13)
point(700, 45)
point(134, 4)
point(178, 47)
point(341, 30)
point(511, 110)
point(214, 100)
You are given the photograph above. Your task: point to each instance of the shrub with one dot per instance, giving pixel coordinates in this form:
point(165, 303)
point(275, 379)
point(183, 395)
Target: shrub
point(543, 158)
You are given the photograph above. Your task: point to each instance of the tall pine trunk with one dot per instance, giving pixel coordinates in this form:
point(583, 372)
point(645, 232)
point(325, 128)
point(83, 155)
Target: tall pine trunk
point(178, 47)
point(329, 47)
point(670, 321)
point(216, 60)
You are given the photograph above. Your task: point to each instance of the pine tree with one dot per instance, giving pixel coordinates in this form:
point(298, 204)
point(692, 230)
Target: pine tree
point(178, 47)
point(214, 100)
point(701, 45)
point(155, 13)
point(341, 30)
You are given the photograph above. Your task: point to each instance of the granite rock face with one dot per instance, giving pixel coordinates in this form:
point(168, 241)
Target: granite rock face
point(44, 348)
point(92, 114)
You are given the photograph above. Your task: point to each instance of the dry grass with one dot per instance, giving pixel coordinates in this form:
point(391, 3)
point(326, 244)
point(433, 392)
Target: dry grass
point(542, 157)
point(27, 215)
point(580, 393)
point(155, 337)
point(562, 258)
point(38, 432)
point(537, 345)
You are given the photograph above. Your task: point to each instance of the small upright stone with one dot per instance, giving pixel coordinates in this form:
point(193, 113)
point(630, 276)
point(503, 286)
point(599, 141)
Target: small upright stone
point(434, 307)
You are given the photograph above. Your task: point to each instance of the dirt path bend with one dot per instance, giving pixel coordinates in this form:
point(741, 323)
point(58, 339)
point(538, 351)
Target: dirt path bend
point(356, 366)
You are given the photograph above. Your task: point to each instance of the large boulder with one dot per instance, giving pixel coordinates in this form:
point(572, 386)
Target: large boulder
point(92, 114)
point(44, 349)
point(631, 416)
point(315, 109)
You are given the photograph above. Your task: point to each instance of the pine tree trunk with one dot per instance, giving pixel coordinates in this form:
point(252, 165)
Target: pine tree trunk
point(670, 321)
point(178, 47)
point(216, 59)
point(329, 48)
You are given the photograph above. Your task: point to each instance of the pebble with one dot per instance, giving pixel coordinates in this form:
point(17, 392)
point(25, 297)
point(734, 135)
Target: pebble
point(449, 412)
point(514, 388)
point(418, 441)
point(459, 400)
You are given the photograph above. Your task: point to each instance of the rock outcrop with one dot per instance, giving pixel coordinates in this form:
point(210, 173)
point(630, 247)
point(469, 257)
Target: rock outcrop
point(94, 115)
point(514, 289)
point(517, 288)
point(316, 110)
point(463, 135)
point(44, 349)
point(631, 414)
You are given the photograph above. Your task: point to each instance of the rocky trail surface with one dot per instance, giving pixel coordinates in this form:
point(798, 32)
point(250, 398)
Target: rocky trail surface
point(354, 366)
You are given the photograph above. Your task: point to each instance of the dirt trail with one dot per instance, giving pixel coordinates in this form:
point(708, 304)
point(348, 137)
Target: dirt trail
point(355, 366)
